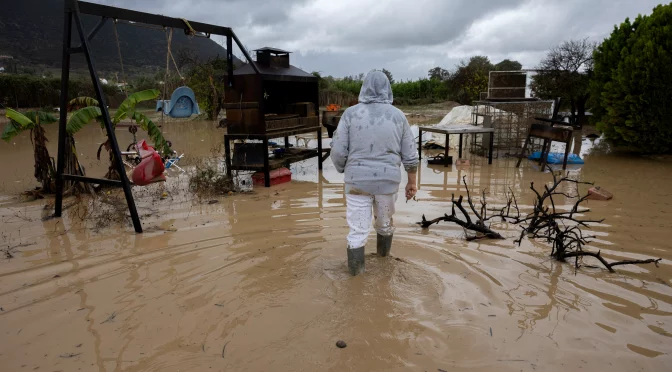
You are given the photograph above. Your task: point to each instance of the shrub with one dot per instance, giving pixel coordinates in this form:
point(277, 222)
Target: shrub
point(632, 83)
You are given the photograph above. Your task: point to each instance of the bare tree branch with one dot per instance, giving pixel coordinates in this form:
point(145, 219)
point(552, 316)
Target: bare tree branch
point(562, 230)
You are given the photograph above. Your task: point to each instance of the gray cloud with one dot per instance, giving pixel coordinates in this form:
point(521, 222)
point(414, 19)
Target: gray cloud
point(343, 37)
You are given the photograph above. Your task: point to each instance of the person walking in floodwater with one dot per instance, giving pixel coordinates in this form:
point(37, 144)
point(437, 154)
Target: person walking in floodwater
point(372, 141)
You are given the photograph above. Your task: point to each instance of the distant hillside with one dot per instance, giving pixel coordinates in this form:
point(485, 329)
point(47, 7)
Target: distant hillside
point(31, 31)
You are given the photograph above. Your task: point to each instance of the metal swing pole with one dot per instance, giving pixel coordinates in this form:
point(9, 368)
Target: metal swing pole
point(65, 77)
point(72, 13)
point(73, 10)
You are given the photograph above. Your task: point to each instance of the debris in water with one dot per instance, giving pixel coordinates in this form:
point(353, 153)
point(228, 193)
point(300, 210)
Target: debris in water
point(110, 318)
point(56, 276)
point(341, 344)
point(490, 331)
point(70, 355)
point(213, 201)
point(462, 162)
point(598, 193)
point(224, 348)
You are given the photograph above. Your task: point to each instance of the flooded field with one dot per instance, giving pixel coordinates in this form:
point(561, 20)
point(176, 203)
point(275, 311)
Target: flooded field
point(258, 281)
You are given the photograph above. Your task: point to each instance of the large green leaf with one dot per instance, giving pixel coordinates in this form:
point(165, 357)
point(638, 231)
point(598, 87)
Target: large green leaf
point(12, 129)
point(44, 117)
point(127, 108)
point(82, 117)
point(79, 102)
point(160, 143)
point(19, 118)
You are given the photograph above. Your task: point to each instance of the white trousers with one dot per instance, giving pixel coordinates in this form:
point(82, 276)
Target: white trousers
point(358, 214)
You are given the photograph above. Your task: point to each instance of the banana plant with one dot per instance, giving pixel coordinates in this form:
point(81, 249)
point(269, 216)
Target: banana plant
point(90, 111)
point(87, 110)
point(45, 169)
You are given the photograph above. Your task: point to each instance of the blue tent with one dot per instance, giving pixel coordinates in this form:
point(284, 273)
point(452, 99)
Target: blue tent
point(182, 104)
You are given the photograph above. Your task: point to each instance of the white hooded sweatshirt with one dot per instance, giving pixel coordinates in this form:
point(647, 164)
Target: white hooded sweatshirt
point(373, 140)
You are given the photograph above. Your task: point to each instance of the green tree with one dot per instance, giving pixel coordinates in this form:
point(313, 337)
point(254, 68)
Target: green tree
point(438, 73)
point(632, 83)
point(508, 65)
point(206, 79)
point(470, 79)
point(565, 72)
point(389, 75)
point(45, 170)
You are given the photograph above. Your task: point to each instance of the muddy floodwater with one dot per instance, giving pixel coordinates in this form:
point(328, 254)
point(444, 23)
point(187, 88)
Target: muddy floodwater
point(258, 281)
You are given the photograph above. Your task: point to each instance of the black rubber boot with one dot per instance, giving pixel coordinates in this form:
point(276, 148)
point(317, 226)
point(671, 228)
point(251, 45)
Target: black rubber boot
point(356, 260)
point(384, 245)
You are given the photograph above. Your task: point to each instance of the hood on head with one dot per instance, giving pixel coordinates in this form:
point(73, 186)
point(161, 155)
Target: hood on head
point(376, 89)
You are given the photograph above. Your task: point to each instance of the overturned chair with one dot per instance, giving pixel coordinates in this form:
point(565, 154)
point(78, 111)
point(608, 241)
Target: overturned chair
point(553, 129)
point(548, 134)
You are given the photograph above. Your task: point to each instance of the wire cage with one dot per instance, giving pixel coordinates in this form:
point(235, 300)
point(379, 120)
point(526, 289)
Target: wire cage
point(511, 120)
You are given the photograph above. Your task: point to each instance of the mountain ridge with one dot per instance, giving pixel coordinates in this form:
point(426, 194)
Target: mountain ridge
point(31, 31)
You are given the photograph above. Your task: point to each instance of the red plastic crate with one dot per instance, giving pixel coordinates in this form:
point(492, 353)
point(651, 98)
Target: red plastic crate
point(278, 176)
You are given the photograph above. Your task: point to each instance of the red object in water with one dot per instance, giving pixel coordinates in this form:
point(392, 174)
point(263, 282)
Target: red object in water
point(150, 168)
point(462, 162)
point(278, 176)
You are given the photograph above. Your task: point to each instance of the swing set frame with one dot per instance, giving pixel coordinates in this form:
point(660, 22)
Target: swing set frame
point(73, 14)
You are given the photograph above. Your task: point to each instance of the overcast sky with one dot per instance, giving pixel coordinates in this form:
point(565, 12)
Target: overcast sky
point(407, 37)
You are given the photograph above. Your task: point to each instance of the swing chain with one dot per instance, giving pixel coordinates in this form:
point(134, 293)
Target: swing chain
point(170, 54)
point(121, 61)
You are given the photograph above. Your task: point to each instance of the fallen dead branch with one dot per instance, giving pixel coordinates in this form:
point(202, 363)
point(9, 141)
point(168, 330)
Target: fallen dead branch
point(479, 226)
point(561, 229)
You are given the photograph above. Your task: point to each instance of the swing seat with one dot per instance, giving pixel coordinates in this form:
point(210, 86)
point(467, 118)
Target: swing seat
point(182, 104)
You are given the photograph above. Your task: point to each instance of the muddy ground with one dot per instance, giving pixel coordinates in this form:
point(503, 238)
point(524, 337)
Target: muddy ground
point(258, 281)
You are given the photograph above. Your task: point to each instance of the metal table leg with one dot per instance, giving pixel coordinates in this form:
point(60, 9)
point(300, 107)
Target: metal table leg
point(445, 160)
point(267, 171)
point(227, 155)
point(492, 147)
point(460, 146)
point(319, 148)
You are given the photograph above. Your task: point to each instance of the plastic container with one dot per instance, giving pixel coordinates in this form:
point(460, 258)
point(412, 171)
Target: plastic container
point(150, 168)
point(278, 176)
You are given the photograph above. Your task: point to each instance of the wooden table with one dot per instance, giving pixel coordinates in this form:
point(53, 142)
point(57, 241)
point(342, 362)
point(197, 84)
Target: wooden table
point(461, 130)
point(270, 164)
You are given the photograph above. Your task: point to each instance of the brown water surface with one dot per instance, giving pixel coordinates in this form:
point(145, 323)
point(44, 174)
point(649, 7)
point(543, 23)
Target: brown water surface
point(258, 281)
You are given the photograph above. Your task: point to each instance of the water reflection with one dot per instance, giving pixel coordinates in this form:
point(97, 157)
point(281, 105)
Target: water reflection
point(261, 278)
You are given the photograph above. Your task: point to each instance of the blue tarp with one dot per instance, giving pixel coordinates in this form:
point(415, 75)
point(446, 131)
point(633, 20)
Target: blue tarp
point(182, 104)
point(557, 158)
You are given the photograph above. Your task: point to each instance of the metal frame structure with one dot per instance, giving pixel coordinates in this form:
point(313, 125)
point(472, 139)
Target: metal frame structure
point(73, 14)
point(504, 89)
point(269, 164)
point(511, 121)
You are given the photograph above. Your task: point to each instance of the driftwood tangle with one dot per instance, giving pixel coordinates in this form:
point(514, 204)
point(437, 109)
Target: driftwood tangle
point(563, 230)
